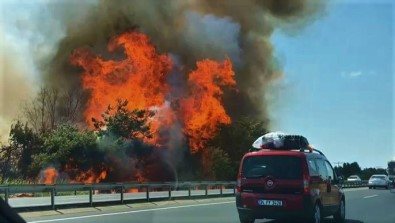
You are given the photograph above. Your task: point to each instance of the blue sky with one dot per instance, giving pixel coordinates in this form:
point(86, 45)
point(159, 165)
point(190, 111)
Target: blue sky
point(338, 84)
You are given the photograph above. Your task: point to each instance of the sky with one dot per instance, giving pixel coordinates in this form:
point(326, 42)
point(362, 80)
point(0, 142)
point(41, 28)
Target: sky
point(338, 87)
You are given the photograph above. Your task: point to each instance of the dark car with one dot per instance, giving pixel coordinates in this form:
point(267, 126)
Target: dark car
point(277, 184)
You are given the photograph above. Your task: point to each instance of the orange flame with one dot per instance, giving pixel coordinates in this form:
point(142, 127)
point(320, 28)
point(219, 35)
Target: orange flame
point(203, 111)
point(141, 78)
point(132, 190)
point(90, 177)
point(50, 175)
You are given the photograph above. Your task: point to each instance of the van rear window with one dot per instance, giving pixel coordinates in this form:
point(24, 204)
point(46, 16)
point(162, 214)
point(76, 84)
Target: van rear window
point(279, 167)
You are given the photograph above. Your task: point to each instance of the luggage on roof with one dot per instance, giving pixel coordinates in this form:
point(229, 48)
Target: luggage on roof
point(281, 141)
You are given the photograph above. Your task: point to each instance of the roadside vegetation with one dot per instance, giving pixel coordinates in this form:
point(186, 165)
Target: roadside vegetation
point(52, 135)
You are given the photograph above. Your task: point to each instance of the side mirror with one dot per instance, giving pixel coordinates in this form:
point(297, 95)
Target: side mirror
point(340, 180)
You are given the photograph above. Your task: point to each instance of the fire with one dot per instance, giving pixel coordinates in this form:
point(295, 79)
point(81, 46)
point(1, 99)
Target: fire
point(140, 77)
point(132, 190)
point(90, 177)
point(203, 111)
point(50, 175)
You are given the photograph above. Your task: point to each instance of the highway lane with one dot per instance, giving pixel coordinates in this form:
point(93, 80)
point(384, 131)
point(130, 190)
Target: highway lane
point(78, 199)
point(363, 206)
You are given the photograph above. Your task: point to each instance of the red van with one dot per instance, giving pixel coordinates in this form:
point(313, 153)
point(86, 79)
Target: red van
point(281, 184)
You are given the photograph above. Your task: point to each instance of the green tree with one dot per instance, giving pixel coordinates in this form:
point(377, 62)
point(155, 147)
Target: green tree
point(121, 123)
point(236, 139)
point(27, 144)
point(348, 169)
point(122, 133)
point(66, 145)
point(366, 173)
point(217, 165)
point(8, 156)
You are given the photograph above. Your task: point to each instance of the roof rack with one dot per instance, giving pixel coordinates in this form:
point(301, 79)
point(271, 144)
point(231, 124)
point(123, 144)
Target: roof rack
point(311, 150)
point(300, 150)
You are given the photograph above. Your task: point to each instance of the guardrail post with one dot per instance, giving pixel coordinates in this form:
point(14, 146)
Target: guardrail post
point(122, 188)
point(189, 191)
point(75, 193)
point(6, 195)
point(147, 192)
point(234, 190)
point(170, 192)
point(220, 190)
point(206, 193)
point(90, 196)
point(53, 198)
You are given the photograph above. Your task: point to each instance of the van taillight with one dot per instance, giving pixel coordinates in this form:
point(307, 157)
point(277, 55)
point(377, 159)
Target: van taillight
point(238, 184)
point(306, 184)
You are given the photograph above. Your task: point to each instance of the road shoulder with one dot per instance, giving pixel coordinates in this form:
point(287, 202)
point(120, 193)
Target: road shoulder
point(29, 216)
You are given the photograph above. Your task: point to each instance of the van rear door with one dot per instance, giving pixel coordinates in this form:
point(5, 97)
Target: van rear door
point(285, 172)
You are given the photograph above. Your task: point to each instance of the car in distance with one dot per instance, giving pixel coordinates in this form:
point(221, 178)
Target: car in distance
point(379, 180)
point(288, 182)
point(354, 178)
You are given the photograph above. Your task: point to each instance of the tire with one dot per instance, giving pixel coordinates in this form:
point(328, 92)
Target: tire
point(315, 215)
point(386, 187)
point(370, 187)
point(246, 220)
point(340, 215)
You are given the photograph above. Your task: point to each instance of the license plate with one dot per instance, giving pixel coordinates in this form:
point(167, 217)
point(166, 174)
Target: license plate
point(270, 203)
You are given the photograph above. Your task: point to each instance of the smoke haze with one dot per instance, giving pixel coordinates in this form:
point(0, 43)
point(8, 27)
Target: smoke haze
point(42, 34)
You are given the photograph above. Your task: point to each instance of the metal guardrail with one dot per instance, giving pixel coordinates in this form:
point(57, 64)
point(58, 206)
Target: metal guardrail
point(122, 188)
point(119, 188)
point(351, 184)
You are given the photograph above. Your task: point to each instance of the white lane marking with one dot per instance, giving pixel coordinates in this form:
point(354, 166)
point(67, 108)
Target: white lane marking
point(375, 195)
point(129, 212)
point(354, 189)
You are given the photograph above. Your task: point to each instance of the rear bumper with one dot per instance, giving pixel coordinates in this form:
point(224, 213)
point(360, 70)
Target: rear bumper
point(373, 184)
point(260, 212)
point(269, 214)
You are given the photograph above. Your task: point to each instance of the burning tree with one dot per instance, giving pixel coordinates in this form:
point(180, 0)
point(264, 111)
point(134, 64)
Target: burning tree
point(141, 77)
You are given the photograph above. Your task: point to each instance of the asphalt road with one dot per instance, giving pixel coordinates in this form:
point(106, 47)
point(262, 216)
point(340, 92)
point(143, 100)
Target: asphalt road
point(362, 206)
point(45, 201)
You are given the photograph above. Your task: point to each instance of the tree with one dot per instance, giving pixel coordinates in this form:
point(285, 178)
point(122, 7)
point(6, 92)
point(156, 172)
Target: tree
point(368, 172)
point(121, 123)
point(351, 169)
point(69, 150)
point(52, 107)
point(26, 144)
point(237, 138)
point(41, 111)
point(122, 133)
point(8, 156)
point(217, 165)
point(71, 105)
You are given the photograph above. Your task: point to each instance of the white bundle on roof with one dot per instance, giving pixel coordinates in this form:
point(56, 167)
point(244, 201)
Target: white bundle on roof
point(272, 138)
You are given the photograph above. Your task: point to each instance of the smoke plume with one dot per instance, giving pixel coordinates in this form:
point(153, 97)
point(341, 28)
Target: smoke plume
point(42, 35)
point(190, 29)
point(38, 38)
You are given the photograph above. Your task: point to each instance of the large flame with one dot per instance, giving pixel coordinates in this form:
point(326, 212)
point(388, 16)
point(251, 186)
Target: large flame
point(141, 78)
point(203, 111)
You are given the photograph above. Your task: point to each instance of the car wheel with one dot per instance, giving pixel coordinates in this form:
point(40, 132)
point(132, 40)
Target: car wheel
point(340, 215)
point(370, 187)
point(315, 215)
point(246, 220)
point(386, 187)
